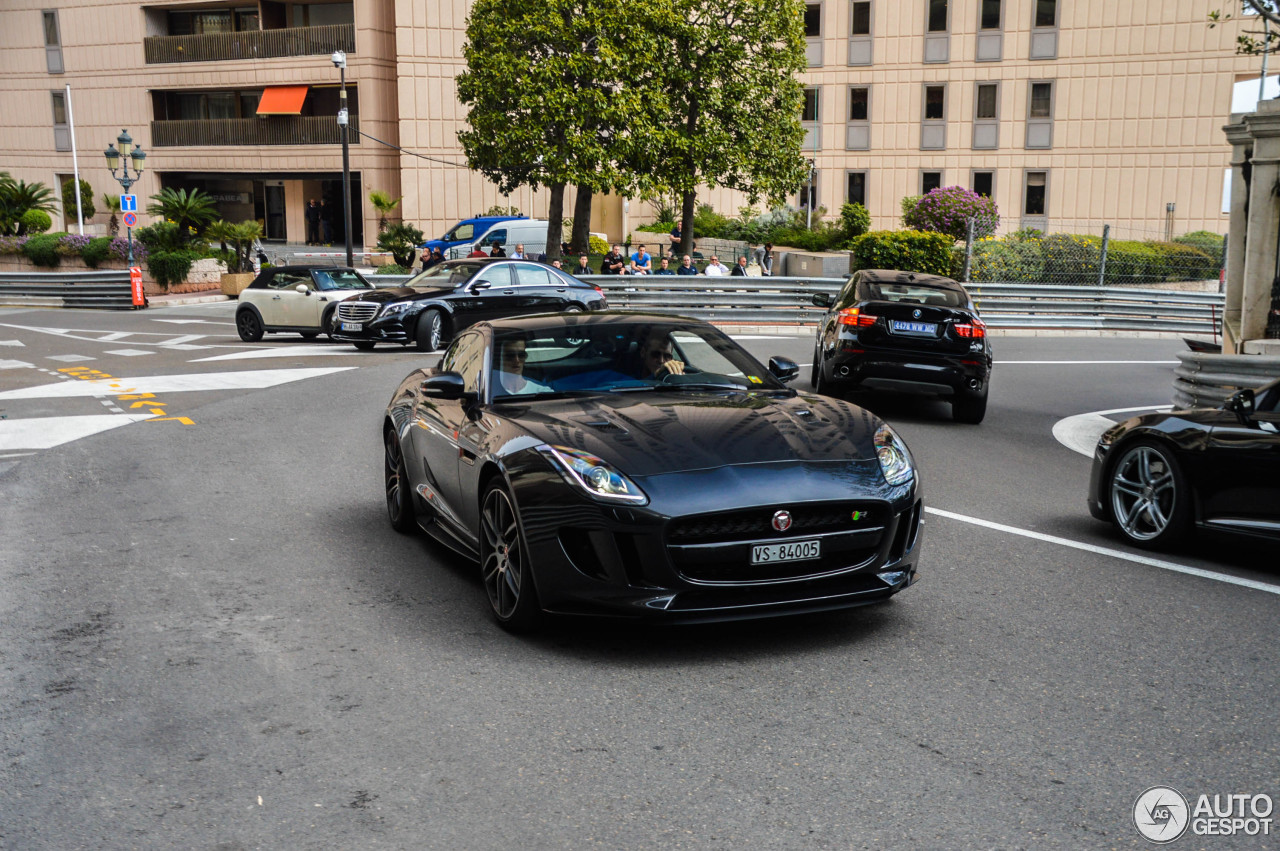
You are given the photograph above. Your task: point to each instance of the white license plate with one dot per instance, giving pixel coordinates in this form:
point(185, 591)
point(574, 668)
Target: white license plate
point(915, 327)
point(792, 551)
point(352, 326)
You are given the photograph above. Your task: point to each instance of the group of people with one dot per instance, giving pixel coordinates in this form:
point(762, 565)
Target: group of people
point(319, 218)
point(641, 263)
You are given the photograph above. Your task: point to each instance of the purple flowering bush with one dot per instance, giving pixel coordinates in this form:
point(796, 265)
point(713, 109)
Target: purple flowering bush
point(948, 209)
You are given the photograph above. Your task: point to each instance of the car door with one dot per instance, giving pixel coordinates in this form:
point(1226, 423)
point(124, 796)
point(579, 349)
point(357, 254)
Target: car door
point(435, 436)
point(470, 307)
point(1240, 479)
point(534, 291)
point(289, 308)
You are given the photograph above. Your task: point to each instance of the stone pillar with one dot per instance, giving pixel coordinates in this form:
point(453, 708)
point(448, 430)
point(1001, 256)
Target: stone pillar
point(1241, 148)
point(1264, 220)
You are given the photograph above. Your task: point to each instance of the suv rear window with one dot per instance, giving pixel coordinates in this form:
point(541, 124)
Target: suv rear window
point(911, 294)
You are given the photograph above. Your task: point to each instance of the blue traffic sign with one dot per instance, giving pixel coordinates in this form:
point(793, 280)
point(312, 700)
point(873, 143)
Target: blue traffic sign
point(128, 203)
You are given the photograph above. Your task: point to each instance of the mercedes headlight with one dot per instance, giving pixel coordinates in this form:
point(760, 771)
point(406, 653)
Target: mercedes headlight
point(895, 460)
point(396, 307)
point(594, 475)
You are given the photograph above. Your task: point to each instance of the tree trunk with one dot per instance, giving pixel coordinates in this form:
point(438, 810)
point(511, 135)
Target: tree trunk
point(686, 222)
point(555, 221)
point(580, 241)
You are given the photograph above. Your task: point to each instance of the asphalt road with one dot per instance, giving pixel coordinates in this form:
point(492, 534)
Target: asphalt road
point(210, 638)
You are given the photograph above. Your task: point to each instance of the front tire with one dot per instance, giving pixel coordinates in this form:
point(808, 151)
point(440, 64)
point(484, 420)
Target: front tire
point(329, 323)
point(1148, 495)
point(504, 564)
point(248, 325)
point(396, 481)
point(364, 345)
point(430, 330)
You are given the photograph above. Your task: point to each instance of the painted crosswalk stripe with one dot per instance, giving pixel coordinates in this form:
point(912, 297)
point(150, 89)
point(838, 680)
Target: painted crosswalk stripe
point(245, 380)
point(48, 432)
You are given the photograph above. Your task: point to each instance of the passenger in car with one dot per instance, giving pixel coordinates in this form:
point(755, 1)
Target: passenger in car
point(508, 371)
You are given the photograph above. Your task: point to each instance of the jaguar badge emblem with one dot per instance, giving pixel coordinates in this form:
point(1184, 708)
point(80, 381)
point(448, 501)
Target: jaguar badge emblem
point(782, 520)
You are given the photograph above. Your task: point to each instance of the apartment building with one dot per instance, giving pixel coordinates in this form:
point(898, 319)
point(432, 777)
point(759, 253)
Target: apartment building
point(1067, 112)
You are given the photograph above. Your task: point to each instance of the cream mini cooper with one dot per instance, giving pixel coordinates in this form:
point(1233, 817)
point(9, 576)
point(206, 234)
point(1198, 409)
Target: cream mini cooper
point(298, 299)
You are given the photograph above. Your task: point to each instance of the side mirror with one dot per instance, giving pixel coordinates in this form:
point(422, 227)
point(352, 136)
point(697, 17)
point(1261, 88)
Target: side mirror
point(783, 369)
point(1241, 403)
point(477, 286)
point(821, 300)
point(446, 385)
point(303, 288)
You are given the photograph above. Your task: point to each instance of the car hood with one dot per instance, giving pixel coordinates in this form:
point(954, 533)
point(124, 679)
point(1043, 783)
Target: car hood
point(652, 433)
point(382, 296)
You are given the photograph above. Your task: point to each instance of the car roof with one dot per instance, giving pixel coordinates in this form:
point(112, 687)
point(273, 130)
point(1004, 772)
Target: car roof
point(897, 276)
point(495, 219)
point(310, 267)
point(551, 321)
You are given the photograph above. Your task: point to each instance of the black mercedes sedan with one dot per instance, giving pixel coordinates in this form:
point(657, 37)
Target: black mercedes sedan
point(904, 332)
point(435, 305)
point(646, 466)
point(1158, 476)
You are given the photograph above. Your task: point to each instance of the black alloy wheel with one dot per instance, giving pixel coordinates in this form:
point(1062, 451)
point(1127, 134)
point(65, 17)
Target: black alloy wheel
point(396, 481)
point(1148, 496)
point(364, 345)
point(504, 566)
point(248, 325)
point(430, 330)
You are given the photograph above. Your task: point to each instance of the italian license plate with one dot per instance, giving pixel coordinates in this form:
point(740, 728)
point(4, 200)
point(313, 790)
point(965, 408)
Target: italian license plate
point(914, 327)
point(791, 551)
point(352, 326)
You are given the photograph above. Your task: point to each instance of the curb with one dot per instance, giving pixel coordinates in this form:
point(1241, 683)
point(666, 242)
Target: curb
point(193, 298)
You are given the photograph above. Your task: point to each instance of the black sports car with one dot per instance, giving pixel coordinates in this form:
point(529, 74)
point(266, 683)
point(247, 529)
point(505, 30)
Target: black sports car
point(904, 332)
point(646, 466)
point(1159, 475)
point(438, 303)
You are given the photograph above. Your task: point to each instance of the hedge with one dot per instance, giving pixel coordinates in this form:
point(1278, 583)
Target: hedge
point(171, 267)
point(908, 250)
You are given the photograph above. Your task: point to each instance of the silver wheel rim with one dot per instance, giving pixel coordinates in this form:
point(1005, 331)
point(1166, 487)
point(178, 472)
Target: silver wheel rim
point(395, 496)
point(502, 555)
point(433, 329)
point(1143, 493)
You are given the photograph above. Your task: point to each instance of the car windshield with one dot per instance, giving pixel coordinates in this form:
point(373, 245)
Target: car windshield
point(459, 233)
point(913, 294)
point(622, 356)
point(445, 275)
point(335, 279)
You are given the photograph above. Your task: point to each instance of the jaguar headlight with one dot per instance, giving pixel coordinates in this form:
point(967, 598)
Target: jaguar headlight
point(895, 460)
point(594, 475)
point(396, 307)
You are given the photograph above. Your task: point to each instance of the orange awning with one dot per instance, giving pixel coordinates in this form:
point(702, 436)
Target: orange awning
point(282, 100)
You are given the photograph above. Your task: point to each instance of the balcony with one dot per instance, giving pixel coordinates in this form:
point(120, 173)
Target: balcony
point(243, 132)
point(251, 44)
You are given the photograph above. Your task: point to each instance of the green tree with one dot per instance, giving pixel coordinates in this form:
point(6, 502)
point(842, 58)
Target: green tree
point(548, 87)
point(385, 205)
point(17, 197)
point(69, 198)
point(400, 239)
point(727, 77)
point(190, 211)
point(112, 205)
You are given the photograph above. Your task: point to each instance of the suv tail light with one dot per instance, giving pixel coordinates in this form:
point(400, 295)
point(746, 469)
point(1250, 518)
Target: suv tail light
point(975, 331)
point(851, 316)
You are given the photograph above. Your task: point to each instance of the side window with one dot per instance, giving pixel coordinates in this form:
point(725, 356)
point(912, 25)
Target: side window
point(497, 274)
point(289, 280)
point(466, 357)
point(463, 232)
point(529, 275)
point(849, 295)
point(496, 235)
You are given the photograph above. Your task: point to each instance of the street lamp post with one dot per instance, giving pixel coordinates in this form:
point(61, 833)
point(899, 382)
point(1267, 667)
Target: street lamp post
point(339, 59)
point(114, 154)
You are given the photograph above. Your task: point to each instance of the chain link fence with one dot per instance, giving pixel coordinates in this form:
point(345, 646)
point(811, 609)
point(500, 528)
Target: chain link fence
point(1087, 253)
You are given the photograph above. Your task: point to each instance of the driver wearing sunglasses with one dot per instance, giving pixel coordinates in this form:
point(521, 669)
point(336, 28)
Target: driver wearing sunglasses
point(508, 370)
point(658, 357)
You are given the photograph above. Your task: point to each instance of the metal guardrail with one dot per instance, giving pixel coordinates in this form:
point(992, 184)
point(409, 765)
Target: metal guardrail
point(1206, 380)
point(250, 44)
point(266, 130)
point(109, 290)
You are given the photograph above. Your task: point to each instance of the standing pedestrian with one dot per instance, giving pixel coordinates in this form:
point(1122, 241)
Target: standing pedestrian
point(326, 221)
point(312, 216)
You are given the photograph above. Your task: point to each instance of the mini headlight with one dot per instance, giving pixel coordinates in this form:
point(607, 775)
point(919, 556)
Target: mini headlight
point(592, 474)
point(396, 307)
point(895, 460)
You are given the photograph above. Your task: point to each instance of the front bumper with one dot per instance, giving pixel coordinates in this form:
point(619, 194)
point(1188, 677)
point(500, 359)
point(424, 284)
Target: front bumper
point(388, 328)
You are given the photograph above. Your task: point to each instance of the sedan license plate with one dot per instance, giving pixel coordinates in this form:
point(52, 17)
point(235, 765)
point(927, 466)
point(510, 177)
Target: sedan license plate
point(914, 327)
point(352, 326)
point(792, 551)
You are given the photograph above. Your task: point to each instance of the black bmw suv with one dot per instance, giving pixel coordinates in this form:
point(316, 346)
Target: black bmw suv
point(904, 332)
point(438, 303)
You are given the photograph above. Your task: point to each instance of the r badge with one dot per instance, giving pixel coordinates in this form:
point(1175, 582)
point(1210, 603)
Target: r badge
point(782, 520)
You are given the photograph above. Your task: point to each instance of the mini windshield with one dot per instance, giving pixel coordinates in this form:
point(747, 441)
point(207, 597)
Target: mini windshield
point(336, 279)
point(623, 356)
point(912, 294)
point(445, 275)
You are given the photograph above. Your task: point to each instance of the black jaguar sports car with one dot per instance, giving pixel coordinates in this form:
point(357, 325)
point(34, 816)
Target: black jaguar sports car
point(646, 466)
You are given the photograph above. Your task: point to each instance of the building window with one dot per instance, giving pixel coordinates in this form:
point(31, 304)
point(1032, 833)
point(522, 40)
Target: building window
point(859, 97)
point(61, 126)
point(937, 36)
point(990, 15)
point(1046, 13)
point(208, 21)
point(935, 98)
point(937, 16)
point(813, 34)
point(860, 41)
point(929, 181)
point(1034, 195)
point(52, 41)
point(810, 110)
point(933, 126)
point(1044, 31)
point(809, 117)
point(986, 117)
point(984, 183)
point(989, 43)
point(858, 128)
point(808, 197)
point(1040, 116)
point(856, 193)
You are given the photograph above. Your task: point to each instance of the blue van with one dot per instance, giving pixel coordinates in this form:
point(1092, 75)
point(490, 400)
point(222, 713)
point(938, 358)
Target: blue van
point(466, 232)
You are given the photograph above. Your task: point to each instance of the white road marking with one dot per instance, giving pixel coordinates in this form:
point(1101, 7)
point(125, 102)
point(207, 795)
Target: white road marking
point(48, 432)
point(16, 455)
point(186, 338)
point(765, 337)
point(193, 322)
point(115, 335)
point(247, 380)
point(1120, 554)
point(295, 351)
point(17, 343)
point(15, 364)
point(1080, 432)
point(1084, 362)
point(70, 358)
point(128, 353)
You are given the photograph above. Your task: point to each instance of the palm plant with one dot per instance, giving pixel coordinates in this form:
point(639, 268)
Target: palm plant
point(190, 211)
point(242, 237)
point(220, 232)
point(112, 205)
point(385, 205)
point(17, 197)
